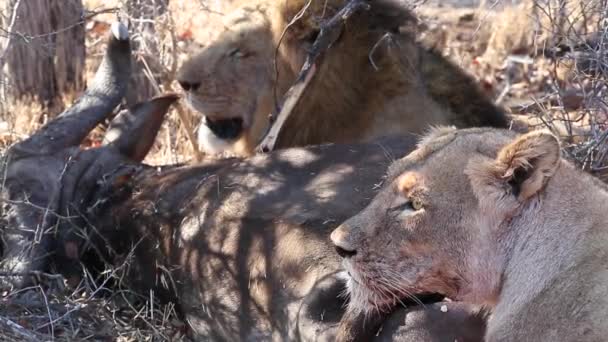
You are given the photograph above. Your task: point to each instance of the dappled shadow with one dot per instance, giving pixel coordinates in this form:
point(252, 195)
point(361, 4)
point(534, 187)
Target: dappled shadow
point(243, 241)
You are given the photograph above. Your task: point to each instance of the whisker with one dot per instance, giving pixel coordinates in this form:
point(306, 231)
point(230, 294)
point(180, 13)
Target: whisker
point(398, 278)
point(395, 296)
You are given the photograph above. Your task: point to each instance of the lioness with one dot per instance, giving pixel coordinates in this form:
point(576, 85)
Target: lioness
point(487, 217)
point(373, 81)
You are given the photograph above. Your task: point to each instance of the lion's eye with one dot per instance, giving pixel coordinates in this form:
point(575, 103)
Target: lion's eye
point(236, 53)
point(406, 208)
point(402, 207)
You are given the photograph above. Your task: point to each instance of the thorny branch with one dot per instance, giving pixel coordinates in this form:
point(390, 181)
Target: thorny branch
point(88, 16)
point(329, 33)
point(582, 42)
point(153, 64)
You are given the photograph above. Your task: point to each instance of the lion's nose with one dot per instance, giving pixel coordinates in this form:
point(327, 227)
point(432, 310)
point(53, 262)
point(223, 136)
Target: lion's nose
point(342, 243)
point(187, 85)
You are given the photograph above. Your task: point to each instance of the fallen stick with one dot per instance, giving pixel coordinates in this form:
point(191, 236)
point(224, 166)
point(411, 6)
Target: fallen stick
point(17, 330)
point(329, 33)
point(189, 129)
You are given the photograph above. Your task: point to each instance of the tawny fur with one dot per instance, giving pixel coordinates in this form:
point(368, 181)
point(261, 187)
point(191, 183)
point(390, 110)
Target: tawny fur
point(373, 81)
point(493, 219)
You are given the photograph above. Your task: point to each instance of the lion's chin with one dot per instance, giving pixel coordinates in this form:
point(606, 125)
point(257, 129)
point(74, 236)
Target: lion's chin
point(366, 301)
point(363, 299)
point(221, 134)
point(210, 143)
point(369, 295)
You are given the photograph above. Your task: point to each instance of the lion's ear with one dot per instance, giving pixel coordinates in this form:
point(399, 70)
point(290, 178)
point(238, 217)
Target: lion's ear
point(521, 168)
point(529, 162)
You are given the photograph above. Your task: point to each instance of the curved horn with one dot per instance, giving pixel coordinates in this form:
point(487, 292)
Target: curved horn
point(133, 131)
point(105, 93)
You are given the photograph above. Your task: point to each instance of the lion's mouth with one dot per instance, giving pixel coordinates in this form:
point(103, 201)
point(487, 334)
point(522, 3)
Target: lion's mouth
point(376, 292)
point(227, 129)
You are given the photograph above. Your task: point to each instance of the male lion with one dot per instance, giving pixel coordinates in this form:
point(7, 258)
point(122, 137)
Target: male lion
point(374, 81)
point(486, 217)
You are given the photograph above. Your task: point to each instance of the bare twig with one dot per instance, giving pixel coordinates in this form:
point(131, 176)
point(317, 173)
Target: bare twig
point(36, 274)
point(181, 113)
point(89, 16)
point(329, 33)
point(189, 129)
point(18, 330)
point(295, 19)
point(9, 29)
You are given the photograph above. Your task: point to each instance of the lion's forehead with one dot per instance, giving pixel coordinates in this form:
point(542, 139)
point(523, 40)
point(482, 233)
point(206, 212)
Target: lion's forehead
point(247, 16)
point(445, 143)
point(239, 29)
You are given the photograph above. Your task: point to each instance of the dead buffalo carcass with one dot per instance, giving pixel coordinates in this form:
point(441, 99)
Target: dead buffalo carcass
point(241, 245)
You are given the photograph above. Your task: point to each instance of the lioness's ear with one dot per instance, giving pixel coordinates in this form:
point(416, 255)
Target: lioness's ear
point(529, 162)
point(522, 168)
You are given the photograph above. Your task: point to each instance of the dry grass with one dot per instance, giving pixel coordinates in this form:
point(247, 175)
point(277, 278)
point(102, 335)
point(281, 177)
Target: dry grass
point(50, 312)
point(565, 92)
point(180, 32)
point(517, 53)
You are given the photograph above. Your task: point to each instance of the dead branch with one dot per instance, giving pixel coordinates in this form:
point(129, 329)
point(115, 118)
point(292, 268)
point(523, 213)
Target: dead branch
point(189, 129)
point(329, 33)
point(17, 330)
point(187, 125)
point(7, 45)
point(36, 274)
point(9, 29)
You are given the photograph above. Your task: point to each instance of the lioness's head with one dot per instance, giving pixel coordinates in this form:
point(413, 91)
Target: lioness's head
point(442, 205)
point(239, 77)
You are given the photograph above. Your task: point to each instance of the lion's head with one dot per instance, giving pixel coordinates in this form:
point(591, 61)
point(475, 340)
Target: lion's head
point(231, 80)
point(440, 222)
point(239, 77)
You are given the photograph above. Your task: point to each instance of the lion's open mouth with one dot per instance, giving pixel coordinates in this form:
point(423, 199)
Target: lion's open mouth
point(227, 129)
